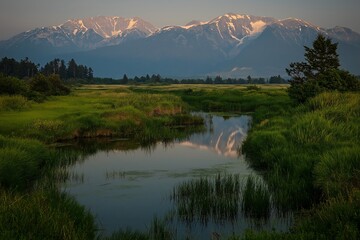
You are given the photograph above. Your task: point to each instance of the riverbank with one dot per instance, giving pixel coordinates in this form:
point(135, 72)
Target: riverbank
point(310, 157)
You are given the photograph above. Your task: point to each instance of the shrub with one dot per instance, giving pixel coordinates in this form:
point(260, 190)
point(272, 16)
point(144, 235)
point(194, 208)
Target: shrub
point(48, 86)
point(41, 84)
point(13, 86)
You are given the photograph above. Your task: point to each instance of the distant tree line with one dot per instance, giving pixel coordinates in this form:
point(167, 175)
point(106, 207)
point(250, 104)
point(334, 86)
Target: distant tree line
point(81, 74)
point(22, 69)
point(71, 70)
point(27, 69)
point(157, 79)
point(29, 80)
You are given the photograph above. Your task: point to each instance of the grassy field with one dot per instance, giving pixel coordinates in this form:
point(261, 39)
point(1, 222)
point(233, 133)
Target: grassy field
point(96, 112)
point(309, 154)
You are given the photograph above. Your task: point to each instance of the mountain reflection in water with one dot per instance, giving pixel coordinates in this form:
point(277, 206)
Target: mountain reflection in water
point(224, 135)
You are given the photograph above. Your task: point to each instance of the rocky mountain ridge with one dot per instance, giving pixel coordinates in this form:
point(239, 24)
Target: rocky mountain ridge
point(234, 45)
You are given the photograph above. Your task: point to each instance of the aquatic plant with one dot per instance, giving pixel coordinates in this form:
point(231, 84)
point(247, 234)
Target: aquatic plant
point(255, 198)
point(221, 198)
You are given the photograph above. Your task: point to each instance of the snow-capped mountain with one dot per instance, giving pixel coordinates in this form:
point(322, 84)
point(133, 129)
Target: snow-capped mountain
point(79, 34)
point(223, 33)
point(235, 45)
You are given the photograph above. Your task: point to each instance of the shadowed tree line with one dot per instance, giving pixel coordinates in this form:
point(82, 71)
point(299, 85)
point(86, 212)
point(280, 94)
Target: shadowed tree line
point(25, 68)
point(27, 79)
point(158, 79)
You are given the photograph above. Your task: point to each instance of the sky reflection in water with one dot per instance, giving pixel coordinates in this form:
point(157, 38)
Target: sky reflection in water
point(128, 188)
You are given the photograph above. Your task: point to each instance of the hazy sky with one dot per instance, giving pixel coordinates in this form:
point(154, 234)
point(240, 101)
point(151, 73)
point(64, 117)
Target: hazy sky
point(20, 15)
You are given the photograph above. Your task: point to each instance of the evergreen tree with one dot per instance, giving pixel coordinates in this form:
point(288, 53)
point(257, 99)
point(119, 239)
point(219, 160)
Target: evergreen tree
point(125, 79)
point(320, 72)
point(91, 73)
point(209, 80)
point(62, 70)
point(322, 56)
point(8, 66)
point(27, 68)
point(218, 80)
point(72, 67)
point(249, 79)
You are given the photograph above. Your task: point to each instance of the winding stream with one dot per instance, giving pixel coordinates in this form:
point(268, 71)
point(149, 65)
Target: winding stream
point(126, 188)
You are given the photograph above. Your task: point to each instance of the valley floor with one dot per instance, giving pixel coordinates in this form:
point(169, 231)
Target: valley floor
point(308, 154)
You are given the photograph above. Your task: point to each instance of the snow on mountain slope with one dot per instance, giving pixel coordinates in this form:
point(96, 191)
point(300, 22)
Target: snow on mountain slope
point(107, 27)
point(260, 46)
point(83, 34)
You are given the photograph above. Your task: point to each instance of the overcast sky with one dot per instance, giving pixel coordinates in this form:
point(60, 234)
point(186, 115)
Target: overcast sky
point(20, 15)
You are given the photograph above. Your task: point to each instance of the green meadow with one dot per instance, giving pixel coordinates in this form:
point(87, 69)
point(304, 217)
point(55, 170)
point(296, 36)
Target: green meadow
point(308, 155)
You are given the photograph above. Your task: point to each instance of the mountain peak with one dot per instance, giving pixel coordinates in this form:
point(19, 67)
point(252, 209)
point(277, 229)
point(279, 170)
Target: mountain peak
point(242, 42)
point(108, 26)
point(295, 23)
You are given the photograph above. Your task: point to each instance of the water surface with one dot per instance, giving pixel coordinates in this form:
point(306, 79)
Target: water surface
point(127, 188)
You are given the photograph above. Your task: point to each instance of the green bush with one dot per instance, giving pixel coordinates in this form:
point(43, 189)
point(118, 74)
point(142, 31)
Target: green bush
point(13, 86)
point(48, 86)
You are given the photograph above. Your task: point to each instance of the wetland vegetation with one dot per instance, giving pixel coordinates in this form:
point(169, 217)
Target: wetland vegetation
point(308, 156)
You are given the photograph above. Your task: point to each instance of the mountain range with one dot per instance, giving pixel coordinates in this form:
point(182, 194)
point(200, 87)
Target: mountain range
point(231, 45)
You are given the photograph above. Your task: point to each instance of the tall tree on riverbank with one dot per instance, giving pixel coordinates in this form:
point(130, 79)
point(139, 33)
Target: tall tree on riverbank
point(320, 72)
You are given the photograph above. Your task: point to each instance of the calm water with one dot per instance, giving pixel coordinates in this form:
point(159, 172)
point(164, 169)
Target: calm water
point(127, 188)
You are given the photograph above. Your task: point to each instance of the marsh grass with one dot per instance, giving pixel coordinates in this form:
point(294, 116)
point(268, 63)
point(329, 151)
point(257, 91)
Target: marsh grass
point(309, 153)
point(88, 113)
point(31, 206)
point(337, 218)
point(20, 161)
point(43, 215)
point(207, 198)
point(256, 199)
point(13, 103)
point(311, 157)
point(158, 230)
point(220, 199)
point(338, 171)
